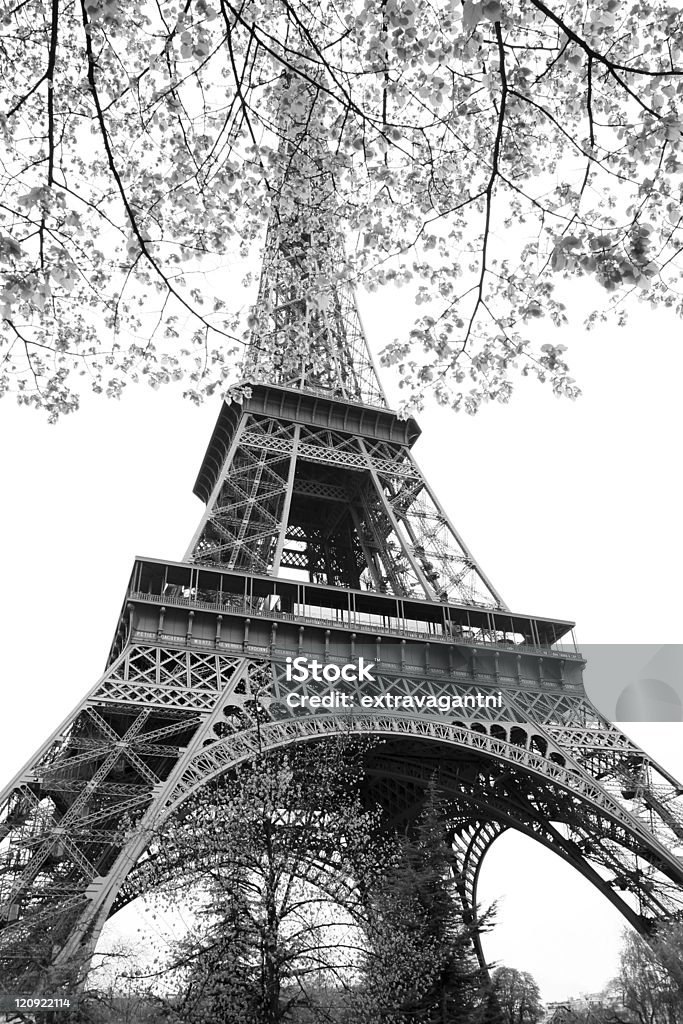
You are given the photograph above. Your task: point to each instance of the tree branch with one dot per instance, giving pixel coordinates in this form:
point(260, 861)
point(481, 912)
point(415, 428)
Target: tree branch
point(92, 83)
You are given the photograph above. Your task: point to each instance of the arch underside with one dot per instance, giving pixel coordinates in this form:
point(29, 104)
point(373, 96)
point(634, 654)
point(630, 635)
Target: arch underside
point(486, 797)
point(495, 777)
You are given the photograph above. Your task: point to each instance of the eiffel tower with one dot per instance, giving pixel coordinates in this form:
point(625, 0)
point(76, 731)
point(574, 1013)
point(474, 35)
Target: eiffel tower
point(321, 539)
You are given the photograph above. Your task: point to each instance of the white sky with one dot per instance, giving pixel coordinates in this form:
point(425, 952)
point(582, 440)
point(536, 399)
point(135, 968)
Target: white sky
point(572, 509)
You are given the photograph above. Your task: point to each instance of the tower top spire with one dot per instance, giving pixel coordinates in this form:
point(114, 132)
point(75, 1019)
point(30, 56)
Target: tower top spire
point(306, 330)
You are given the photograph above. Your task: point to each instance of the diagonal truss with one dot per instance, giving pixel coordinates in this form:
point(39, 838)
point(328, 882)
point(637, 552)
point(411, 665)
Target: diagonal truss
point(342, 509)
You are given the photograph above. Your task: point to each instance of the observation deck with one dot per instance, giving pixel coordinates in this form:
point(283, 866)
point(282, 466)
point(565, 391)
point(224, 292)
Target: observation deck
point(309, 407)
point(198, 606)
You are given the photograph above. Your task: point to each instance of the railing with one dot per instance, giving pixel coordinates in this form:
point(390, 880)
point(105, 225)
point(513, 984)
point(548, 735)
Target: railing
point(356, 623)
point(329, 393)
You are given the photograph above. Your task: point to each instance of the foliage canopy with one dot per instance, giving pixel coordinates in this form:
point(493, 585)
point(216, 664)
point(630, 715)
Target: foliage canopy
point(517, 996)
point(478, 151)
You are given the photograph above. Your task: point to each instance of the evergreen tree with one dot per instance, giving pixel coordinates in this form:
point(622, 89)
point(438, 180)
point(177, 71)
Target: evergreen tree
point(421, 966)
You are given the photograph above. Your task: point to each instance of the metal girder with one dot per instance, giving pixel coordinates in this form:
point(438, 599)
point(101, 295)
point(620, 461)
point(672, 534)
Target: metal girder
point(382, 500)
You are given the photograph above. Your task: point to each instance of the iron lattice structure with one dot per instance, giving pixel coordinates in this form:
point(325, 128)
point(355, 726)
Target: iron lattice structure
point(322, 538)
point(306, 329)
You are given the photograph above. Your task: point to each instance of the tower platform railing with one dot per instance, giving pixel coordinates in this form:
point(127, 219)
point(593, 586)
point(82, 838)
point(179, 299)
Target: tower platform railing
point(183, 585)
